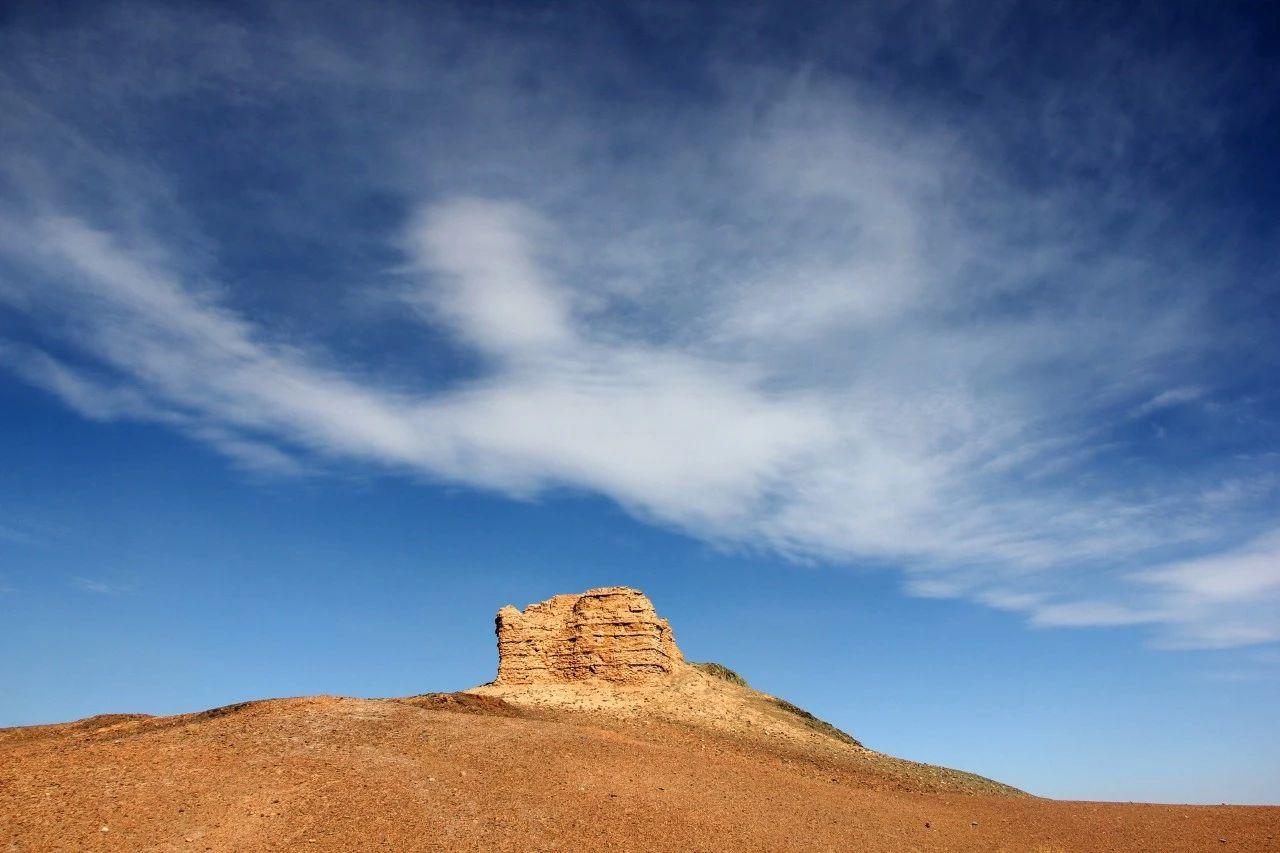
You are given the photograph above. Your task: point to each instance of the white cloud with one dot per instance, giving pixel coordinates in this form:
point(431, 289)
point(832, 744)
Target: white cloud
point(485, 283)
point(1238, 576)
point(698, 442)
point(89, 398)
point(808, 320)
point(1226, 599)
point(1079, 614)
point(1166, 400)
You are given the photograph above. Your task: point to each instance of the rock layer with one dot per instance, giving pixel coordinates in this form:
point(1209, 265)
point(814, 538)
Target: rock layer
point(610, 634)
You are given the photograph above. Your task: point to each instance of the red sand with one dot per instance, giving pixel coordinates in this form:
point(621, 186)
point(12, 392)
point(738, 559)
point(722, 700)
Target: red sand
point(474, 774)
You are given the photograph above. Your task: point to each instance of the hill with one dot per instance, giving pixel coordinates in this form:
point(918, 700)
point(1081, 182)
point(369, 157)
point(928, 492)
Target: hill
point(597, 734)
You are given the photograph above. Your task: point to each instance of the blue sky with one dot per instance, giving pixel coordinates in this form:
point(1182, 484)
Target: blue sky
point(917, 359)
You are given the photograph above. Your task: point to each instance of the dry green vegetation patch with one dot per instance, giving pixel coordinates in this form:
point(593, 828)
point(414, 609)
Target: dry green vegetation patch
point(815, 723)
point(720, 671)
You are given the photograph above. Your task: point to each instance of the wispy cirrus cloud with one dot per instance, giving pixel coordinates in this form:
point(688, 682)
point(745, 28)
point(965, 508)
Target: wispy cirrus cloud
point(806, 319)
point(1166, 400)
point(10, 533)
point(96, 586)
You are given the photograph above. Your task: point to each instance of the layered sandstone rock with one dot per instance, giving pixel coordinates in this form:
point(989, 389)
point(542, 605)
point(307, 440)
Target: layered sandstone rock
point(611, 635)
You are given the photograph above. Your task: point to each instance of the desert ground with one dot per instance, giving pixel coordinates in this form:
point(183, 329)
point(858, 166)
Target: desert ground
point(472, 772)
point(596, 734)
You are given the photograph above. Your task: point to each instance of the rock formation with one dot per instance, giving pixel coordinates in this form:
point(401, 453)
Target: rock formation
point(610, 634)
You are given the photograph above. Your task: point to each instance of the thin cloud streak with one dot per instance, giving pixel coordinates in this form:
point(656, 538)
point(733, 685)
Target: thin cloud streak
point(98, 587)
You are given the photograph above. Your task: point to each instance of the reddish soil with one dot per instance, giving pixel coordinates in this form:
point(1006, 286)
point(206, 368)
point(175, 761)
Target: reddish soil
point(476, 773)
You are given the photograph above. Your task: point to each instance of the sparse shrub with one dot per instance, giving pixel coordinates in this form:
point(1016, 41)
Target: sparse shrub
point(722, 672)
point(816, 724)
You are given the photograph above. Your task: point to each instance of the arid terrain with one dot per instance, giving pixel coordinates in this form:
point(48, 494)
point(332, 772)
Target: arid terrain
point(596, 735)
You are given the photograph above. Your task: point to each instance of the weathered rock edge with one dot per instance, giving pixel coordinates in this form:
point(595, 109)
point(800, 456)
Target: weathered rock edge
point(610, 635)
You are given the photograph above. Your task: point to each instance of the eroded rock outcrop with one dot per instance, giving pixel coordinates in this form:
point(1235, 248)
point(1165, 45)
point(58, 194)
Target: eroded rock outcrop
point(610, 634)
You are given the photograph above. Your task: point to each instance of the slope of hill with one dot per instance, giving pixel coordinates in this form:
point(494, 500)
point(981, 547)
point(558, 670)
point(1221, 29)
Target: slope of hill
point(461, 772)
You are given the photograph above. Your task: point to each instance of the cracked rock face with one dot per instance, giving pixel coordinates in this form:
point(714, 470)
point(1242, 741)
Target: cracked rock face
point(610, 634)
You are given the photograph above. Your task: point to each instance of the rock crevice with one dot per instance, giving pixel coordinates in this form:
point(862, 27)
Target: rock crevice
point(610, 634)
